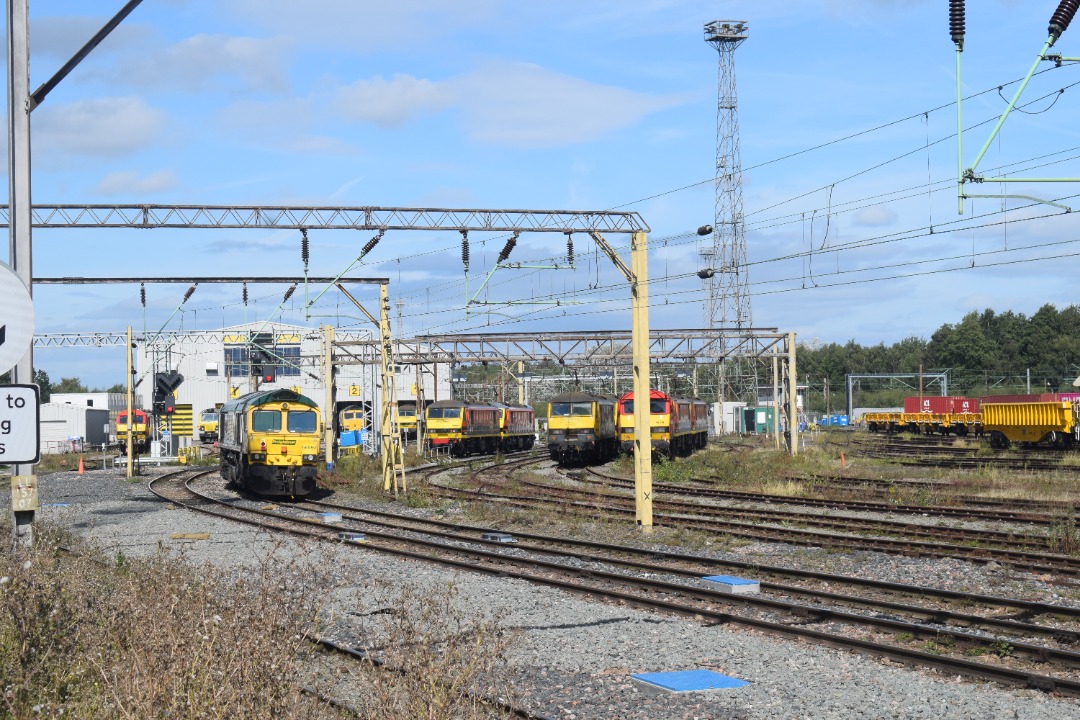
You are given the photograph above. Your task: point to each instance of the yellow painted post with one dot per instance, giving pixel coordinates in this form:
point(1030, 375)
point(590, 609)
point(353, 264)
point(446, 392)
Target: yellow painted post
point(328, 382)
point(639, 291)
point(390, 445)
point(130, 391)
point(521, 382)
point(792, 390)
point(776, 399)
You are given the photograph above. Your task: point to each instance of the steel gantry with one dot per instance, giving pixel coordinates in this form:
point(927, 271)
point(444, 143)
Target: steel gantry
point(383, 219)
point(219, 217)
point(599, 350)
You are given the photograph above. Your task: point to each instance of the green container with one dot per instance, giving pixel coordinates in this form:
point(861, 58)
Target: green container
point(758, 420)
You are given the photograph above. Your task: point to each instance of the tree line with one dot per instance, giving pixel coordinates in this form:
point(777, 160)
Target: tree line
point(66, 385)
point(986, 353)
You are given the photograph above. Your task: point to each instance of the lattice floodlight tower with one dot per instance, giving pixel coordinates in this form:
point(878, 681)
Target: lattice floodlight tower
point(727, 300)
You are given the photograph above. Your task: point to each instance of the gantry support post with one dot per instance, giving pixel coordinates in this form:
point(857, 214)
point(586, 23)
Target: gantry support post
point(130, 409)
point(776, 399)
point(393, 462)
point(521, 382)
point(331, 392)
point(792, 397)
point(639, 289)
point(18, 96)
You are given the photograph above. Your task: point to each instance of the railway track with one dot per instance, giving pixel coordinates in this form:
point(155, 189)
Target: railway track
point(690, 569)
point(943, 453)
point(1031, 516)
point(584, 569)
point(777, 526)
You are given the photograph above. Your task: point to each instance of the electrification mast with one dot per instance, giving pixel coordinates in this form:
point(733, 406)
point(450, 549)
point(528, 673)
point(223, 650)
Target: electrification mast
point(727, 301)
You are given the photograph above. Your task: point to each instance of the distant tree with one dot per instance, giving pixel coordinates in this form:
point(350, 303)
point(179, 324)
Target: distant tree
point(69, 385)
point(117, 388)
point(42, 379)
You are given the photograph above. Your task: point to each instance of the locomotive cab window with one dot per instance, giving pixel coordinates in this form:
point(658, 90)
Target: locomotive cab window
point(266, 421)
point(656, 407)
point(564, 409)
point(302, 421)
point(445, 413)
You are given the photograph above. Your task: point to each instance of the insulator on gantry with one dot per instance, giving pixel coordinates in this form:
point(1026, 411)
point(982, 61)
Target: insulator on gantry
point(289, 292)
point(370, 245)
point(305, 246)
point(508, 248)
point(956, 22)
point(245, 294)
point(704, 230)
point(1061, 18)
point(189, 293)
point(570, 248)
point(465, 249)
point(142, 293)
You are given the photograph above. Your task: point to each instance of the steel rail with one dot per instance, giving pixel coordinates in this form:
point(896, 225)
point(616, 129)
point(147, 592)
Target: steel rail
point(1017, 560)
point(906, 655)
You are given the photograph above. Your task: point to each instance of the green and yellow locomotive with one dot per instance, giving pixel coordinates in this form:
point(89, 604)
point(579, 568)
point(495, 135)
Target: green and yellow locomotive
point(269, 442)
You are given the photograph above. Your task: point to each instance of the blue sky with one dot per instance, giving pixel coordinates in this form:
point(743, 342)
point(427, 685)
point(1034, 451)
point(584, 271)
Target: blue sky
point(555, 105)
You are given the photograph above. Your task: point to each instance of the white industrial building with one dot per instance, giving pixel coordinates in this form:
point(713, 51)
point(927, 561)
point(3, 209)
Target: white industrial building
point(217, 365)
point(68, 427)
point(109, 401)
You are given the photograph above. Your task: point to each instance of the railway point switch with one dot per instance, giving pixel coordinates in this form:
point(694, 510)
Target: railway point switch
point(498, 537)
point(689, 680)
point(735, 585)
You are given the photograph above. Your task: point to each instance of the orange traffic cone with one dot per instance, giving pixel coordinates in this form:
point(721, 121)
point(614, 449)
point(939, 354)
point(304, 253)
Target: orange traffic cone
point(82, 466)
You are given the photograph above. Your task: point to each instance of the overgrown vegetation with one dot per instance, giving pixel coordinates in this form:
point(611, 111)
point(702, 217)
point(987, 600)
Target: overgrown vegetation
point(87, 636)
point(439, 659)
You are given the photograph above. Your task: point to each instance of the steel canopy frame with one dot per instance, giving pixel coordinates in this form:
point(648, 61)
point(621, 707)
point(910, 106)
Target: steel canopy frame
point(580, 348)
point(942, 377)
point(330, 218)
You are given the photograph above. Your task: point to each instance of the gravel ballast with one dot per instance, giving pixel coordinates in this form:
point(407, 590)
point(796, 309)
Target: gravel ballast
point(575, 657)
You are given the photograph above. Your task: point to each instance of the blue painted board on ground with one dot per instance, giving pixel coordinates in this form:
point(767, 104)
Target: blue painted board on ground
point(690, 680)
point(730, 580)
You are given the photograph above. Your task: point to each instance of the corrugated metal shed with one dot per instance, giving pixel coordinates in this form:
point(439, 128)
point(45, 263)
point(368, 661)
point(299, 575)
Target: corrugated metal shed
point(62, 423)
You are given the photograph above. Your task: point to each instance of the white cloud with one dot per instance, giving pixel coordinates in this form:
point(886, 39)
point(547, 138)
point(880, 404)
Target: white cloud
point(875, 216)
point(132, 183)
point(524, 105)
point(392, 103)
point(193, 63)
point(110, 127)
point(508, 104)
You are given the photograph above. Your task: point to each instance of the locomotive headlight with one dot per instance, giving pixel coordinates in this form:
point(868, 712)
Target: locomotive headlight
point(309, 458)
point(258, 456)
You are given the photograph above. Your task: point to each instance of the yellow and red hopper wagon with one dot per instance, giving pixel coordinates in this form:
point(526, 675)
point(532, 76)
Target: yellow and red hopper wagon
point(1030, 423)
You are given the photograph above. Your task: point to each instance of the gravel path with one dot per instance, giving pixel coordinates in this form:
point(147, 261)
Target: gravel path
point(575, 657)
